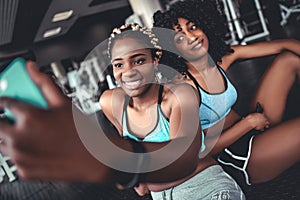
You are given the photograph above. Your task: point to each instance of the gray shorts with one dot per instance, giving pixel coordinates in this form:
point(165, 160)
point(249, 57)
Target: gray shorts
point(210, 184)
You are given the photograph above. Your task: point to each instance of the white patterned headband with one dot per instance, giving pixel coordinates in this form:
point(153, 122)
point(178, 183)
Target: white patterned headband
point(135, 27)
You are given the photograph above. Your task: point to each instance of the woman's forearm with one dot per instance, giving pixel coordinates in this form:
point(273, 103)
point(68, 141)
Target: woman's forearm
point(229, 136)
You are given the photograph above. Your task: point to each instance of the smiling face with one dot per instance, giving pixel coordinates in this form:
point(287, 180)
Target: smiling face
point(133, 65)
point(190, 40)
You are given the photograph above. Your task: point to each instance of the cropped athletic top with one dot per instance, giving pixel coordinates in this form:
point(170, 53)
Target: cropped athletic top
point(215, 106)
point(161, 132)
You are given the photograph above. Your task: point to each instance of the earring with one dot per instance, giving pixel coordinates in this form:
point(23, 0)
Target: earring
point(157, 76)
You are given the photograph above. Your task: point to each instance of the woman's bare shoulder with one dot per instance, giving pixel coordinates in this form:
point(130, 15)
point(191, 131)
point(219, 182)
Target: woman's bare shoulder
point(112, 97)
point(181, 91)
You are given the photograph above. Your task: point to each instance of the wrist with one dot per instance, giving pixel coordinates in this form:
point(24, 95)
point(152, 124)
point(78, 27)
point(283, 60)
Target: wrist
point(248, 122)
point(137, 176)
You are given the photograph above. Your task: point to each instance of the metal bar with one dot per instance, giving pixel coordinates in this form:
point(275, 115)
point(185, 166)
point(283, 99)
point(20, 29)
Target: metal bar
point(230, 25)
point(261, 16)
point(235, 19)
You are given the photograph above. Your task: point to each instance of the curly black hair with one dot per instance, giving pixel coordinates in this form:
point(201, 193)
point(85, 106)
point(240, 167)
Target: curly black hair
point(207, 15)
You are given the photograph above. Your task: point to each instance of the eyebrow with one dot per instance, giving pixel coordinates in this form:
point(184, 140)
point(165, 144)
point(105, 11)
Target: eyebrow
point(180, 28)
point(133, 56)
point(188, 23)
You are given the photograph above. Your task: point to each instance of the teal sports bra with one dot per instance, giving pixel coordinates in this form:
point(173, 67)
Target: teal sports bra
point(161, 132)
point(214, 107)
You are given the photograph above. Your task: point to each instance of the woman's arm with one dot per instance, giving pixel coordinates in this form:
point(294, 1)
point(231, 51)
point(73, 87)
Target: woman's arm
point(111, 103)
point(184, 115)
point(260, 49)
point(183, 118)
point(182, 103)
point(255, 121)
point(53, 144)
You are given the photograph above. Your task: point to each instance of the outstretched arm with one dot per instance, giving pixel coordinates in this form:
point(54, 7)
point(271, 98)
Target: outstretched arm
point(184, 121)
point(183, 116)
point(47, 145)
point(260, 49)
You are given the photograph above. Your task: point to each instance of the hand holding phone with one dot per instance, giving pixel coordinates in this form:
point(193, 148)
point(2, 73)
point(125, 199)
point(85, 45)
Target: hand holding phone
point(15, 82)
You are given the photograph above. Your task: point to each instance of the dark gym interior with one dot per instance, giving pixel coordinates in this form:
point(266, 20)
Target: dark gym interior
point(65, 50)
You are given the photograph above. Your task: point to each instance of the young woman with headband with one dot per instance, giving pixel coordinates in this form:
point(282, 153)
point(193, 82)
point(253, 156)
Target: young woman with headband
point(143, 110)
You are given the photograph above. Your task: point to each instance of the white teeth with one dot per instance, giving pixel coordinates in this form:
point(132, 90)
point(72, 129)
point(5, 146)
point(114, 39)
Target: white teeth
point(132, 84)
point(199, 44)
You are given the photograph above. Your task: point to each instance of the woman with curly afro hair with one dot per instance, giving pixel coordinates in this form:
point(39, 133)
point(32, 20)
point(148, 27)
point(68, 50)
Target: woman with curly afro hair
point(249, 144)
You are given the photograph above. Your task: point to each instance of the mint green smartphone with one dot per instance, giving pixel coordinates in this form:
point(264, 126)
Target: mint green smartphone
point(15, 82)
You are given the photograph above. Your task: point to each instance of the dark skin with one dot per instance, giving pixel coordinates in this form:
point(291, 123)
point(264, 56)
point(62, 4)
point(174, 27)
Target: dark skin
point(45, 145)
point(134, 65)
point(277, 146)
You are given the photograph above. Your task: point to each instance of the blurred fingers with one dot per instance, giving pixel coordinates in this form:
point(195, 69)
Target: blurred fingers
point(50, 90)
point(5, 130)
point(19, 109)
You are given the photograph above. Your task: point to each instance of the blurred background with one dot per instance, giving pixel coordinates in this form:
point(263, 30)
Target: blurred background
point(63, 35)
